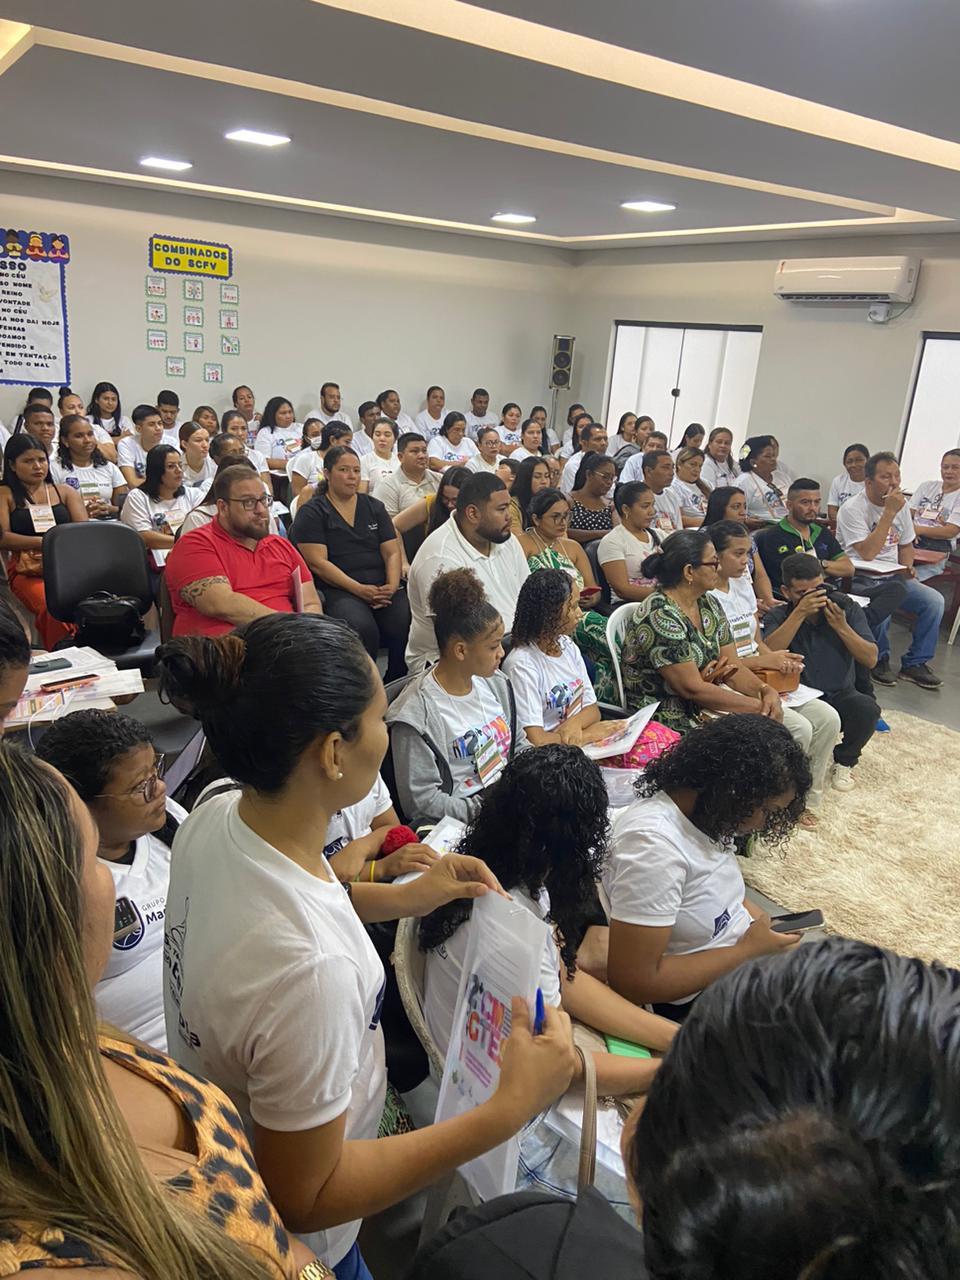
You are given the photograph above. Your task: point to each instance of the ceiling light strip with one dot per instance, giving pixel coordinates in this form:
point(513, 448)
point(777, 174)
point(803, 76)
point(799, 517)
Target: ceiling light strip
point(598, 60)
point(16, 38)
point(408, 219)
point(177, 65)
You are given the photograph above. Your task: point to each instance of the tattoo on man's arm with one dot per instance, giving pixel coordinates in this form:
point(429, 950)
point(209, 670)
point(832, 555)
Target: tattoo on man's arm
point(191, 592)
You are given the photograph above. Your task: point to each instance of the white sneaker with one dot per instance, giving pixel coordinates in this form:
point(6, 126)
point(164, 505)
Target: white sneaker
point(843, 778)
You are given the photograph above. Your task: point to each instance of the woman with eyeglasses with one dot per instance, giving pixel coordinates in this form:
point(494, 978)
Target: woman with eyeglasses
point(348, 540)
point(159, 507)
point(678, 649)
point(111, 762)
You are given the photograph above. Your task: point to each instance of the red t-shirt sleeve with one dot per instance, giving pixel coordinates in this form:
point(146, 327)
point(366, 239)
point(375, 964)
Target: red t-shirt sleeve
point(194, 557)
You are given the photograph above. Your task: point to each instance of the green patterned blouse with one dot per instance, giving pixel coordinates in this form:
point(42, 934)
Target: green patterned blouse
point(660, 635)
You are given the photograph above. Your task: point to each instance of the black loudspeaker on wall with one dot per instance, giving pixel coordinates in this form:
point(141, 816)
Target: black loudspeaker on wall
point(561, 364)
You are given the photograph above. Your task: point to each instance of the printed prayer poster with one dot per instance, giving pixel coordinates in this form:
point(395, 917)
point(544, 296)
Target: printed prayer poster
point(33, 308)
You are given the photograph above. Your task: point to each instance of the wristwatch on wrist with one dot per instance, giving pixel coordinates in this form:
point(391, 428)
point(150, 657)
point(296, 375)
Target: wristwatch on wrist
point(315, 1270)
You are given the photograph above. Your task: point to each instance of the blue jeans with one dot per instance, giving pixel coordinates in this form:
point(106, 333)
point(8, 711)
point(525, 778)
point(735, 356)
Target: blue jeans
point(352, 1267)
point(927, 604)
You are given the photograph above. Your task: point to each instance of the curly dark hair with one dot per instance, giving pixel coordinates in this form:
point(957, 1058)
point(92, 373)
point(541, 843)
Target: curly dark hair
point(542, 825)
point(540, 605)
point(736, 764)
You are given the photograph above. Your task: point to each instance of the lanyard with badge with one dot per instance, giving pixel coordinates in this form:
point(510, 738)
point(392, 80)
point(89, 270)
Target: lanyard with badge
point(778, 510)
point(488, 759)
point(931, 513)
point(41, 516)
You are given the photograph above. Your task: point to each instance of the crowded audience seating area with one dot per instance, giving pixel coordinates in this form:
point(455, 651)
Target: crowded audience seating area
point(483, 708)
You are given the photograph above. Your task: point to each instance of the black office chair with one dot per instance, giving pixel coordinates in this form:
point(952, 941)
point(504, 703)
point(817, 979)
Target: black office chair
point(605, 604)
point(80, 559)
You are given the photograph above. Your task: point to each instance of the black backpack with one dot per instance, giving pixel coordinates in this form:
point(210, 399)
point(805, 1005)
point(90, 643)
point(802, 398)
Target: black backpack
point(108, 623)
point(532, 1236)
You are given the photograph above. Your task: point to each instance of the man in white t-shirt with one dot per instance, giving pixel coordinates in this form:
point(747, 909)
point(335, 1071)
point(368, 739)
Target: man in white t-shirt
point(593, 439)
point(935, 508)
point(388, 403)
point(412, 480)
point(430, 419)
point(479, 414)
point(656, 470)
point(330, 405)
point(477, 536)
point(875, 526)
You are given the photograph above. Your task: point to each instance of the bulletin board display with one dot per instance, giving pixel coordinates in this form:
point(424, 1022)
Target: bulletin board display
point(34, 330)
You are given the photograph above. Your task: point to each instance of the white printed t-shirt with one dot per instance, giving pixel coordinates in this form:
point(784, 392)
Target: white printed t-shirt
point(621, 544)
point(765, 501)
point(931, 505)
point(740, 606)
point(476, 737)
point(282, 442)
point(441, 448)
point(668, 514)
point(663, 872)
point(444, 968)
point(373, 468)
point(130, 993)
point(273, 989)
point(307, 463)
point(549, 690)
point(428, 426)
point(857, 519)
point(475, 424)
point(356, 820)
point(717, 475)
point(143, 513)
point(842, 488)
point(90, 482)
point(692, 501)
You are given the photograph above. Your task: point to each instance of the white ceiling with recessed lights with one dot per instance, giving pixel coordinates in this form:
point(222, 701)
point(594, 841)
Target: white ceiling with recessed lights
point(751, 117)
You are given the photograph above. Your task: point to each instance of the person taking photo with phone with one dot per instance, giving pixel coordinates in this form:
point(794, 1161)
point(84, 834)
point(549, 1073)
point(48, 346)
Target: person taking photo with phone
point(831, 633)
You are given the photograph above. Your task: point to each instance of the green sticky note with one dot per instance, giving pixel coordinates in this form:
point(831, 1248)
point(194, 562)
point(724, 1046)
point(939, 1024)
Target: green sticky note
point(626, 1048)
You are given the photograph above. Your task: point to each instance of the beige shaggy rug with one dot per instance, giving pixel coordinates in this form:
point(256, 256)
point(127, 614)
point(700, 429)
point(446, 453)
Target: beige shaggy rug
point(884, 862)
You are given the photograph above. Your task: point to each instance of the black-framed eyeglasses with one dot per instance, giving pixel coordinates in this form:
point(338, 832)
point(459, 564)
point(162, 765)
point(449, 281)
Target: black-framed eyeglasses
point(144, 791)
point(709, 564)
point(251, 504)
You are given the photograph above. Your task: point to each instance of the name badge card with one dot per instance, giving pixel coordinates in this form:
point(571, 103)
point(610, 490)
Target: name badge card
point(41, 516)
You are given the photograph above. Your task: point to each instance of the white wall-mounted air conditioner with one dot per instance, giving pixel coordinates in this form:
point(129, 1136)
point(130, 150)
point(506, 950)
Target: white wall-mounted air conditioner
point(847, 279)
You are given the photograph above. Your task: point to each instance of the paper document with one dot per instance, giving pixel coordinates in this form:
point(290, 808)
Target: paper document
point(877, 566)
point(297, 589)
point(505, 945)
point(800, 696)
point(616, 744)
point(442, 839)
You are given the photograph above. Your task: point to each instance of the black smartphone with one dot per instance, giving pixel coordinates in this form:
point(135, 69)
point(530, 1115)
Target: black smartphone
point(797, 922)
point(125, 919)
point(39, 666)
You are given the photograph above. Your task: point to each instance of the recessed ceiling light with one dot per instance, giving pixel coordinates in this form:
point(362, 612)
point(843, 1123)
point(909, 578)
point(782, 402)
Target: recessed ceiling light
point(158, 162)
point(647, 206)
point(514, 219)
point(255, 136)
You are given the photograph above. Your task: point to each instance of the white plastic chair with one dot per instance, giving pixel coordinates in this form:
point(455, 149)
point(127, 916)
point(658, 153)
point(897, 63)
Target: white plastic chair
point(409, 963)
point(616, 626)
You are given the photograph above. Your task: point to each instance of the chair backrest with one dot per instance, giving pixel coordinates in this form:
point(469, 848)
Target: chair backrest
point(410, 966)
point(600, 578)
point(79, 559)
point(387, 771)
point(616, 626)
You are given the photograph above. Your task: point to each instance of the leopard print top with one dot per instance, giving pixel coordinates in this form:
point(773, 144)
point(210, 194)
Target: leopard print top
point(223, 1183)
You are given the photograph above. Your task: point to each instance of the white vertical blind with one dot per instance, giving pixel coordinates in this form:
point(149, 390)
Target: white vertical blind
point(933, 426)
point(714, 370)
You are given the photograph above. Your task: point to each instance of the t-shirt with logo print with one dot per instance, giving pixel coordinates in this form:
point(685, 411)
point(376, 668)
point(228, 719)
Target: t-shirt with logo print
point(129, 996)
point(549, 689)
point(663, 872)
point(356, 820)
point(930, 505)
point(857, 519)
point(476, 737)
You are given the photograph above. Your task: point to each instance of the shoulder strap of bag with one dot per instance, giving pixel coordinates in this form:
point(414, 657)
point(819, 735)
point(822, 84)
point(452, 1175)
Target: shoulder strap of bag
point(588, 1129)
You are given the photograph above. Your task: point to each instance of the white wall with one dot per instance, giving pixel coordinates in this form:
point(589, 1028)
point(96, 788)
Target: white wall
point(320, 298)
point(373, 306)
point(825, 377)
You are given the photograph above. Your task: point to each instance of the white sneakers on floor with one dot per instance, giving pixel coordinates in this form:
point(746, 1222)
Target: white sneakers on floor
point(843, 778)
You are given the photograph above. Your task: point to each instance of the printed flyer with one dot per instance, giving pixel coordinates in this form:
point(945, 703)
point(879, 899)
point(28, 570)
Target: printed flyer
point(505, 944)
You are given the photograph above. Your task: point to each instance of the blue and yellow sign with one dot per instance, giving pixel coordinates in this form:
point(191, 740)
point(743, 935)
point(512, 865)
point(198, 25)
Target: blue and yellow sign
point(177, 256)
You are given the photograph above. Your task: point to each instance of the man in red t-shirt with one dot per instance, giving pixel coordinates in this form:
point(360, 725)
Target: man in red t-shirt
point(234, 569)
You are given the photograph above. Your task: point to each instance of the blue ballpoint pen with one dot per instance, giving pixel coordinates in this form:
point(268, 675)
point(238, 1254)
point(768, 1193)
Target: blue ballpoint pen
point(539, 1014)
